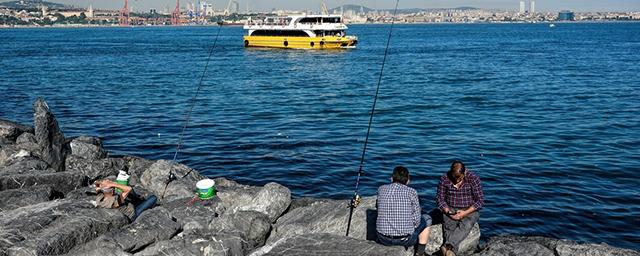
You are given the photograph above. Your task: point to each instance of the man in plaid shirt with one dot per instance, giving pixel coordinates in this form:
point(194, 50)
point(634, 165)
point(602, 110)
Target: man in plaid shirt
point(399, 219)
point(459, 197)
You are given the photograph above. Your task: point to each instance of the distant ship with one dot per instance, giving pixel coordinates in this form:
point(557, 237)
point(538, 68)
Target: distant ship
point(299, 32)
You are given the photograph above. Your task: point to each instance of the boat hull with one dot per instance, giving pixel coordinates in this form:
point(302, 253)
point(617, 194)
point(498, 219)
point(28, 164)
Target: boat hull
point(326, 42)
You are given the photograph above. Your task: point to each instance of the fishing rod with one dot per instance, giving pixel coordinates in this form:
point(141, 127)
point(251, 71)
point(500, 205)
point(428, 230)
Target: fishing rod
point(172, 176)
point(355, 200)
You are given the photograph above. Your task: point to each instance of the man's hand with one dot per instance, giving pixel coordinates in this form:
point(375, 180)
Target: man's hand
point(458, 216)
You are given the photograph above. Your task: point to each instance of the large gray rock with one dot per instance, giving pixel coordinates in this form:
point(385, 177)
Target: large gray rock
point(331, 216)
point(100, 251)
point(272, 199)
point(151, 226)
point(49, 136)
point(321, 244)
point(87, 147)
point(573, 249)
point(27, 141)
point(60, 181)
point(11, 130)
point(23, 163)
point(194, 215)
point(54, 227)
point(201, 244)
point(94, 169)
point(16, 198)
point(543, 246)
point(154, 177)
point(251, 226)
point(327, 216)
point(136, 167)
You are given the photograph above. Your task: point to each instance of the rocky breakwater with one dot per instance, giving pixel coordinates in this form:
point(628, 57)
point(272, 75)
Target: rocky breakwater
point(47, 208)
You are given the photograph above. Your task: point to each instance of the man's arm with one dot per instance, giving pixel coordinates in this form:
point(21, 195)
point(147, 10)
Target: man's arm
point(442, 204)
point(417, 210)
point(125, 189)
point(478, 197)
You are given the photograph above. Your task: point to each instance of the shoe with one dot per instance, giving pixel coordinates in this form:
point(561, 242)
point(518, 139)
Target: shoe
point(420, 254)
point(450, 251)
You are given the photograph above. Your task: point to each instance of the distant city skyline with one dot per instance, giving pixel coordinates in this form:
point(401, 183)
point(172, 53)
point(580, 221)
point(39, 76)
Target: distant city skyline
point(313, 5)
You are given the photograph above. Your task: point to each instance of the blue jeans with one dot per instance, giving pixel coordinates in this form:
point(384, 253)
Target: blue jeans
point(147, 204)
point(409, 240)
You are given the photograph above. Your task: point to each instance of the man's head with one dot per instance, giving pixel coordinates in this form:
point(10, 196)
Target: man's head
point(400, 175)
point(457, 171)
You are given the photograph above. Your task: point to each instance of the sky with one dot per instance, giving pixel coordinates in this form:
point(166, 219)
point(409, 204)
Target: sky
point(264, 5)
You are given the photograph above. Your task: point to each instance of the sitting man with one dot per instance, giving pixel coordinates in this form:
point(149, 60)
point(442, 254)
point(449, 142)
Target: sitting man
point(125, 200)
point(459, 197)
point(399, 214)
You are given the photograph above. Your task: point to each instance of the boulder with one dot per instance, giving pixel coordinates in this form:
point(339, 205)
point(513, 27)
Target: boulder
point(194, 215)
point(272, 199)
point(94, 169)
point(87, 147)
point(101, 251)
point(155, 176)
point(48, 135)
point(11, 130)
point(23, 163)
point(201, 244)
point(151, 226)
point(60, 181)
point(136, 167)
point(327, 216)
point(531, 245)
point(567, 248)
point(27, 141)
point(251, 226)
point(332, 216)
point(16, 198)
point(7, 153)
point(321, 244)
point(54, 227)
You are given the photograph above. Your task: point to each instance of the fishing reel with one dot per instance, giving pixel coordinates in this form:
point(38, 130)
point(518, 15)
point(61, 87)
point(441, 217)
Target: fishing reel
point(171, 178)
point(355, 201)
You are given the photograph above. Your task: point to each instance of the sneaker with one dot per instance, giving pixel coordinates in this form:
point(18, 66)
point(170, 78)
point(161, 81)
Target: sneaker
point(450, 251)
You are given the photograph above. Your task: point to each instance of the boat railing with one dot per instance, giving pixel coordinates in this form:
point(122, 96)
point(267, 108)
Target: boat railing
point(261, 23)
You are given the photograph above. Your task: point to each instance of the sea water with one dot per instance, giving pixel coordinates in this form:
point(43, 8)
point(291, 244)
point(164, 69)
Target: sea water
point(549, 118)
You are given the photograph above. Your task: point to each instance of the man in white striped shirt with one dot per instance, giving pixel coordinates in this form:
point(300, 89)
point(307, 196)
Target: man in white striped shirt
point(400, 221)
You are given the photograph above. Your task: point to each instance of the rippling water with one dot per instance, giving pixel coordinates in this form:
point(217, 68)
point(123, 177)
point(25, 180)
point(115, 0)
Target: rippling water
point(548, 117)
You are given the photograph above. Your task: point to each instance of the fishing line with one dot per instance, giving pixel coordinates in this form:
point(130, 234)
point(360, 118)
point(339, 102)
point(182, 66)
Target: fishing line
point(355, 200)
point(172, 176)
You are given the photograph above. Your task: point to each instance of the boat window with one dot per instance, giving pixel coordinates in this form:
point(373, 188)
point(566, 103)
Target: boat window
point(290, 33)
point(331, 20)
point(310, 20)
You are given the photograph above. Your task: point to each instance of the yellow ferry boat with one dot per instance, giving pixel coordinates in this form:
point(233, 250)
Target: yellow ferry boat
point(299, 32)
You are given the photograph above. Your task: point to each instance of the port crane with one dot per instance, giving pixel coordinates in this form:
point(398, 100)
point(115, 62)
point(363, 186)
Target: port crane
point(175, 15)
point(124, 14)
point(227, 10)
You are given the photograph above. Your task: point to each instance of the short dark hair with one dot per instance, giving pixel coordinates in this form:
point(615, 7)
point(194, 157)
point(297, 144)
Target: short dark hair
point(457, 167)
point(401, 174)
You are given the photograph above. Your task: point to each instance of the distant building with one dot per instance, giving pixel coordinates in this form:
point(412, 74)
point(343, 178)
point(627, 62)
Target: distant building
point(566, 16)
point(90, 13)
point(522, 7)
point(532, 7)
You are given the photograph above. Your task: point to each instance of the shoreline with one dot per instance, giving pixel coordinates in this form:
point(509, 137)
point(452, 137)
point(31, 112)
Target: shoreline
point(80, 26)
point(45, 179)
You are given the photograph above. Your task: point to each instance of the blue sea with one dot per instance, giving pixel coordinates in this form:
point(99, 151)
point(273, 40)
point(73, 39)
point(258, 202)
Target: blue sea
point(548, 117)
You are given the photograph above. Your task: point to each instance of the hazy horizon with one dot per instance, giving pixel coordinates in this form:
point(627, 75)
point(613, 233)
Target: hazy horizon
point(255, 5)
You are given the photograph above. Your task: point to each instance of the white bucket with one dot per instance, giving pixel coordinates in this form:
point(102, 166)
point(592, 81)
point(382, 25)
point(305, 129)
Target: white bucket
point(205, 188)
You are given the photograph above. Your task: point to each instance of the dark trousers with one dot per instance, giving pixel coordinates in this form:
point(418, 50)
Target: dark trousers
point(455, 232)
point(146, 204)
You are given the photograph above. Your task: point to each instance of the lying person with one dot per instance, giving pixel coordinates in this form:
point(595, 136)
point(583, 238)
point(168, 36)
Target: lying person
point(125, 200)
